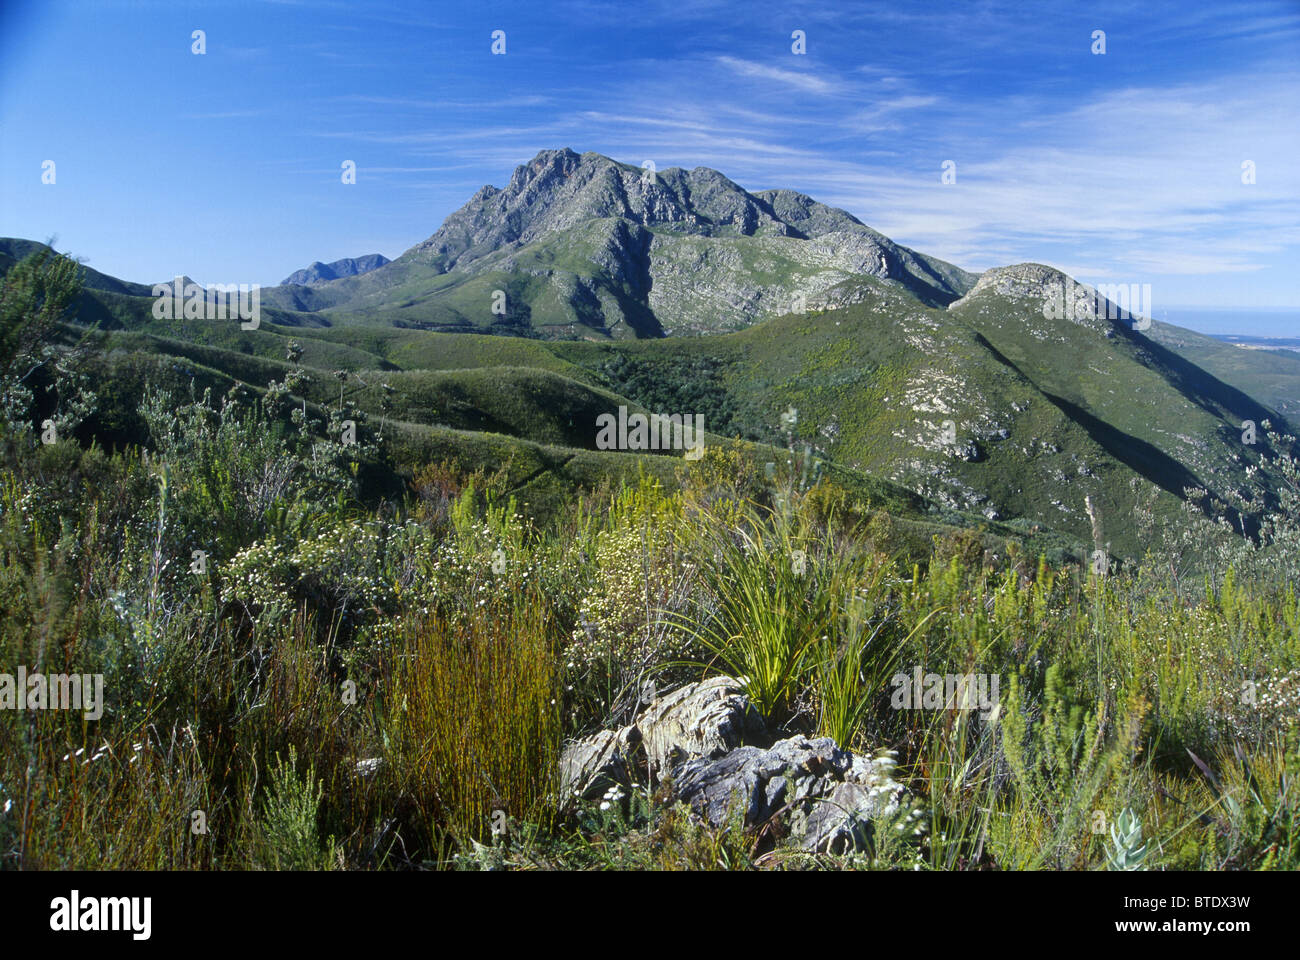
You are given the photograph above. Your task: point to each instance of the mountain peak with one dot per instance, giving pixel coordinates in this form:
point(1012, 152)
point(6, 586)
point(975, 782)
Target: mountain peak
point(1026, 280)
point(615, 249)
point(319, 272)
point(558, 189)
point(547, 165)
point(1056, 294)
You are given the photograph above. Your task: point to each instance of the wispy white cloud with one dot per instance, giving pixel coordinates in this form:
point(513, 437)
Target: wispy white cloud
point(1112, 166)
point(1137, 180)
point(808, 82)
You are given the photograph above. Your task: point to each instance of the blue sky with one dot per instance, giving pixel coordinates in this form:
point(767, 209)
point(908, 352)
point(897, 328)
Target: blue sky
point(1123, 167)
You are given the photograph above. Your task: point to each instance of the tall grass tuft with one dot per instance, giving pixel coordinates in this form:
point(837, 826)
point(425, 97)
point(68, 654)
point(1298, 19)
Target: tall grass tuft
point(472, 718)
point(770, 596)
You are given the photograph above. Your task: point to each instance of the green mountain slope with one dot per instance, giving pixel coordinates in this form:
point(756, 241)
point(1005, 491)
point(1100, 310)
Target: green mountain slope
point(1270, 376)
point(943, 394)
point(586, 247)
point(984, 407)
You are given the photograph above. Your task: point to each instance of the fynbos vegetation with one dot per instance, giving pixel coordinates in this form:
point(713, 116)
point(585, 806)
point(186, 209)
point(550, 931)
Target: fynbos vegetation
point(329, 642)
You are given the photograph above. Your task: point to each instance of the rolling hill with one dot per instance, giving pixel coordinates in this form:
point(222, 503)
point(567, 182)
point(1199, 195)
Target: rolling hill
point(944, 395)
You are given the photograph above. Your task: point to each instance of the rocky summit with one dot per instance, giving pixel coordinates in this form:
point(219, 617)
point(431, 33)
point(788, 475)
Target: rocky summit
point(325, 272)
point(585, 245)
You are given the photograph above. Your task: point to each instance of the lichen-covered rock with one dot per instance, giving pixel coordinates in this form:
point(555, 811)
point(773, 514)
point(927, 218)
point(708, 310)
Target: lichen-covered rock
point(704, 719)
point(591, 765)
point(826, 797)
point(715, 752)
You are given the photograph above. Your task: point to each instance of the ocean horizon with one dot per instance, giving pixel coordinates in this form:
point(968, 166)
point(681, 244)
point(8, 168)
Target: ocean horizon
point(1250, 322)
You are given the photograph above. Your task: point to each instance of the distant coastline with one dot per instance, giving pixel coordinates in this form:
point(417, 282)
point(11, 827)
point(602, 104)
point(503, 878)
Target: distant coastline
point(1259, 343)
point(1257, 328)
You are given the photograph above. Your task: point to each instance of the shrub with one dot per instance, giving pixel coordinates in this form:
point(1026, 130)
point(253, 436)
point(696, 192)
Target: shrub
point(471, 713)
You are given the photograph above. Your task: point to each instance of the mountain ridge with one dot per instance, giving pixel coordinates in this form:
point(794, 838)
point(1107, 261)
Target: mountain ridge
point(319, 273)
point(962, 388)
point(586, 246)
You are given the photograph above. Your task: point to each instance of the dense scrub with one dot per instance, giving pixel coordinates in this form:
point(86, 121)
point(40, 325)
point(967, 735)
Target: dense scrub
point(301, 674)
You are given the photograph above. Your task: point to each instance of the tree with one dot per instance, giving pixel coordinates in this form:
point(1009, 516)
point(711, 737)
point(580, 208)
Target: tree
point(36, 299)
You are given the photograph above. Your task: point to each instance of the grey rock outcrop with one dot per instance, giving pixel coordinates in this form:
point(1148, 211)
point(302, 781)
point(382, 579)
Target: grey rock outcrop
point(590, 765)
point(827, 797)
point(704, 719)
point(708, 743)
